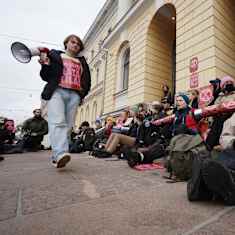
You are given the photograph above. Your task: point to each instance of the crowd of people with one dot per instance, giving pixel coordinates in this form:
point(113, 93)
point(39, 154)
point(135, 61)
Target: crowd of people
point(192, 148)
point(29, 139)
point(135, 137)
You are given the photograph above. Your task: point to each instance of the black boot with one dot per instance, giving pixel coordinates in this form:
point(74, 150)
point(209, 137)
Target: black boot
point(133, 157)
point(1, 158)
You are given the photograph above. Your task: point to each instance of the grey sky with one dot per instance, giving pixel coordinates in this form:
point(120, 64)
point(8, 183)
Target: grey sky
point(44, 21)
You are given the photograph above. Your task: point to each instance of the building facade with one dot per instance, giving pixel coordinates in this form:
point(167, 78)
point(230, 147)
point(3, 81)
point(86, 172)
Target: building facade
point(134, 47)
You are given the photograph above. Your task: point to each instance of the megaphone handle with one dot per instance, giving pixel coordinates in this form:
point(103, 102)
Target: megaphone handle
point(44, 58)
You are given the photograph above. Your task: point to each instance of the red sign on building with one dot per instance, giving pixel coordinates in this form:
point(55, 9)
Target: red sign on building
point(193, 67)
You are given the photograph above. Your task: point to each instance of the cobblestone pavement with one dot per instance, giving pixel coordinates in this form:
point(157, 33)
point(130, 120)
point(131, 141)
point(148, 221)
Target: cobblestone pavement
point(99, 196)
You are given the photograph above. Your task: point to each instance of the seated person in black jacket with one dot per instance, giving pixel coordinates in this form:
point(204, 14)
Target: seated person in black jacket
point(35, 128)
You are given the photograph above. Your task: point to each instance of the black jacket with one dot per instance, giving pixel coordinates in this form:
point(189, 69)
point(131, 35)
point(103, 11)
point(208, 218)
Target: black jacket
point(36, 125)
point(52, 74)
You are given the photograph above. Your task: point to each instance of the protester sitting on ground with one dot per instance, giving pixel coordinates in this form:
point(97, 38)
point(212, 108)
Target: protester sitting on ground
point(109, 124)
point(227, 85)
point(122, 118)
point(183, 123)
point(157, 110)
point(9, 127)
point(194, 99)
point(117, 139)
point(217, 176)
point(149, 132)
point(84, 139)
point(34, 128)
point(216, 89)
point(7, 135)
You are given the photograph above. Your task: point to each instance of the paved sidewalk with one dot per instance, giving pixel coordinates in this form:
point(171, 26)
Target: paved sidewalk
point(97, 196)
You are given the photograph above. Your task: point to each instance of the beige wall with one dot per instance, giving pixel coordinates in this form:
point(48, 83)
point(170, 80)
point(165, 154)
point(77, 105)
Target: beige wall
point(151, 37)
point(92, 116)
point(159, 46)
point(224, 12)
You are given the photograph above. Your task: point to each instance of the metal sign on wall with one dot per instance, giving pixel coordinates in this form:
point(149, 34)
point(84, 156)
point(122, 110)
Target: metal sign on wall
point(193, 68)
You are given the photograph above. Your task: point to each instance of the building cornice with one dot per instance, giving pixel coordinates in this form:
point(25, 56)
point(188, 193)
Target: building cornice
point(101, 15)
point(124, 20)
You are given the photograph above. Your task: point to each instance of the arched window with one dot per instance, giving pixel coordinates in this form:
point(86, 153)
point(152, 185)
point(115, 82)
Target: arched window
point(125, 69)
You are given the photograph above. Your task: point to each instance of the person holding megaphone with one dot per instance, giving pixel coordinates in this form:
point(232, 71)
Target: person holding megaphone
point(68, 81)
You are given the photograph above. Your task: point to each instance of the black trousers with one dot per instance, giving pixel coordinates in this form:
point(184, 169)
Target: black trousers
point(32, 142)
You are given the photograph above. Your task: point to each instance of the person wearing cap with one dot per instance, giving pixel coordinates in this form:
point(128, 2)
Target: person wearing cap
point(68, 82)
point(227, 85)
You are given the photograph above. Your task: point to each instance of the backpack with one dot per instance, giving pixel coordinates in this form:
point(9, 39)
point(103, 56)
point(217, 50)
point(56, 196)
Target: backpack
point(182, 150)
point(88, 138)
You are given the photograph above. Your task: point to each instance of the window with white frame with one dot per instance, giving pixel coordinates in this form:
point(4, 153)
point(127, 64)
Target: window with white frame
point(125, 72)
point(123, 69)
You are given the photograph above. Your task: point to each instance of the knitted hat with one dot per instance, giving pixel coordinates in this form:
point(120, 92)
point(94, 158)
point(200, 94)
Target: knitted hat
point(185, 97)
point(226, 79)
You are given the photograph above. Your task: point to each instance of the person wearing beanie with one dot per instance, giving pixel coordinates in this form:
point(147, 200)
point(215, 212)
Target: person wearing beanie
point(184, 122)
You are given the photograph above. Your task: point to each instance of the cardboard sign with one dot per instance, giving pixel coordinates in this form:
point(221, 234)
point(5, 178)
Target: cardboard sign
point(205, 95)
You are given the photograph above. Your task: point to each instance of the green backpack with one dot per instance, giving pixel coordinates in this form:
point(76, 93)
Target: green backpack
point(182, 150)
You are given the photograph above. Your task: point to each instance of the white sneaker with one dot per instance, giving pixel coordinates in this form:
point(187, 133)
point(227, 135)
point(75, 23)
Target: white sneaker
point(62, 160)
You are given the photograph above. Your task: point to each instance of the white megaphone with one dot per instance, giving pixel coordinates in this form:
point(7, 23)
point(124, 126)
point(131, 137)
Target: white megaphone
point(24, 54)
